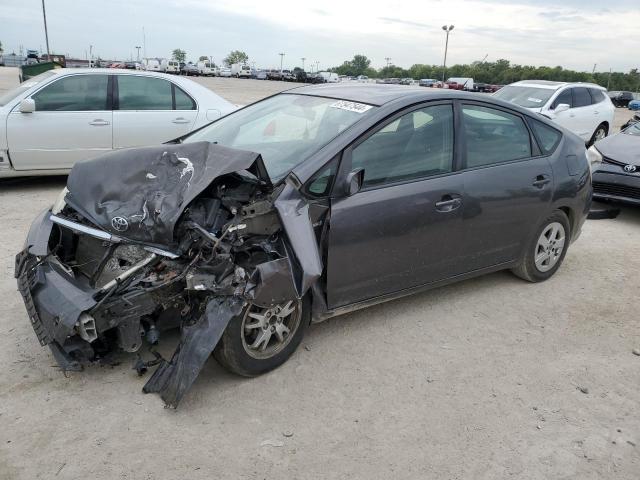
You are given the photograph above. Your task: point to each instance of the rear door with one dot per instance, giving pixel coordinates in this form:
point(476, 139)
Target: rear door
point(404, 228)
point(150, 111)
point(72, 122)
point(586, 119)
point(507, 185)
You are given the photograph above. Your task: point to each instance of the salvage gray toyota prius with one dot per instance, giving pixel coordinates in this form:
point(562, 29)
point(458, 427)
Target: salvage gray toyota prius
point(303, 206)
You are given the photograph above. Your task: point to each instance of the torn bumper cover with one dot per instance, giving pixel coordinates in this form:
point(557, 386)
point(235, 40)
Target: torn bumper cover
point(206, 235)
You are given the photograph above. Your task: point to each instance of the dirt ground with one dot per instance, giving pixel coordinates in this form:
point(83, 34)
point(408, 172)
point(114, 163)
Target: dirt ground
point(488, 379)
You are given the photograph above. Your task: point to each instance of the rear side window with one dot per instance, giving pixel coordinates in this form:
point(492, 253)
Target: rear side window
point(144, 93)
point(493, 136)
point(183, 101)
point(548, 137)
point(597, 96)
point(564, 97)
point(581, 97)
point(73, 94)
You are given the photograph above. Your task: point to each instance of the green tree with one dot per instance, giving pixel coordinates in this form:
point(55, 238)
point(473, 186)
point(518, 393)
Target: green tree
point(203, 58)
point(179, 55)
point(236, 56)
point(1, 49)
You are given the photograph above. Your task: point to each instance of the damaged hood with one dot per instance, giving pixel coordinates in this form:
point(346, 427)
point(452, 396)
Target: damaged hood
point(140, 193)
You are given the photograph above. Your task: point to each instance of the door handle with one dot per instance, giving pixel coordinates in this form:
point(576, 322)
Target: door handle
point(541, 181)
point(180, 120)
point(98, 122)
point(449, 203)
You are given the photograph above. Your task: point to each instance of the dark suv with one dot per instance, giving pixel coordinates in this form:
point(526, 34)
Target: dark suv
point(621, 99)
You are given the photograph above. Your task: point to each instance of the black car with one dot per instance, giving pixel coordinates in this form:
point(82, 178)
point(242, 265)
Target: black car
point(621, 99)
point(615, 162)
point(631, 121)
point(189, 69)
point(308, 204)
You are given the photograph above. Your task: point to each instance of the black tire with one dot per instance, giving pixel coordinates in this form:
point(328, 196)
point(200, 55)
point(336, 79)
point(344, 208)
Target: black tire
point(231, 352)
point(601, 128)
point(527, 269)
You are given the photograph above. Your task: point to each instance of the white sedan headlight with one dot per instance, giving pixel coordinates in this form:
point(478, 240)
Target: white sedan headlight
point(59, 203)
point(594, 157)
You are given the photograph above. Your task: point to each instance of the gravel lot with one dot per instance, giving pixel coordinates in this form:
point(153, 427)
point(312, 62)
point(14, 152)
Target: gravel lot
point(489, 378)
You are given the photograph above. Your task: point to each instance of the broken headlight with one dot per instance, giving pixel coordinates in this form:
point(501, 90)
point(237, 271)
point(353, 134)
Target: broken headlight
point(59, 204)
point(594, 157)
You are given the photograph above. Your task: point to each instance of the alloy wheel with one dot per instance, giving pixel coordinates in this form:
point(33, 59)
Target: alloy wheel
point(266, 331)
point(549, 247)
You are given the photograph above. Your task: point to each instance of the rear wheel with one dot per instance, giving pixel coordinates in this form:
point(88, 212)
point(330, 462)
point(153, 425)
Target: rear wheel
point(546, 249)
point(599, 134)
point(262, 338)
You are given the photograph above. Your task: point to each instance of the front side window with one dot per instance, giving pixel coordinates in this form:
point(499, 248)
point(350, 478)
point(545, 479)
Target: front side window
point(564, 97)
point(416, 145)
point(285, 129)
point(581, 97)
point(75, 93)
point(144, 93)
point(493, 136)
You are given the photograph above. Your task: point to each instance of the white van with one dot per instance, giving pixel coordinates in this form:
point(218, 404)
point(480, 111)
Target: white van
point(241, 71)
point(155, 64)
point(329, 77)
point(173, 66)
point(205, 67)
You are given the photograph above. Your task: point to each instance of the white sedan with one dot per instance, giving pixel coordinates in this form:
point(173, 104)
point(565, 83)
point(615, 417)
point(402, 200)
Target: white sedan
point(62, 116)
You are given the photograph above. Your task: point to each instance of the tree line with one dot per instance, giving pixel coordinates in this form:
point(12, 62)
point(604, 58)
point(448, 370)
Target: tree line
point(500, 72)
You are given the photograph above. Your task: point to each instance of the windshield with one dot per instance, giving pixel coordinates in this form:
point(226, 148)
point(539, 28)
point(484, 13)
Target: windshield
point(285, 129)
point(528, 97)
point(23, 87)
point(633, 129)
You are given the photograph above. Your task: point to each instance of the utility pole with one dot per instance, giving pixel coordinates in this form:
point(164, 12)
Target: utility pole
point(317, 66)
point(46, 33)
point(281, 59)
point(138, 48)
point(144, 43)
point(388, 59)
point(609, 79)
point(594, 68)
point(303, 59)
point(90, 56)
point(446, 47)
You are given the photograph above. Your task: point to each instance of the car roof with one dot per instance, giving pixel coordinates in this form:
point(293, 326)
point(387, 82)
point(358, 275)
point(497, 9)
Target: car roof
point(548, 84)
point(123, 71)
point(371, 93)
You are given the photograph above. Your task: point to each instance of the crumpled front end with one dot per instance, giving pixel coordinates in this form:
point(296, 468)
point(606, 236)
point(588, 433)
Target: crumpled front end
point(198, 247)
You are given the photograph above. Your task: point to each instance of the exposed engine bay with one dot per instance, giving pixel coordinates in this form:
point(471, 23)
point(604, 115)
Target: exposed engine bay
point(178, 236)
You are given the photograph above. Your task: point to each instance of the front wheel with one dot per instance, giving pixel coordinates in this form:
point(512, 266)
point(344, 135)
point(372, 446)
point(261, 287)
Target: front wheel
point(599, 134)
point(546, 249)
point(263, 338)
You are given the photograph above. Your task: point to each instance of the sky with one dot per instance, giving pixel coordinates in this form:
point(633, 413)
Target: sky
point(575, 34)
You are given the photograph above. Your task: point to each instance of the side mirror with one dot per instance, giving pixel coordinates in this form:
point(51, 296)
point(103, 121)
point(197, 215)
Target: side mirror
point(354, 181)
point(28, 105)
point(563, 107)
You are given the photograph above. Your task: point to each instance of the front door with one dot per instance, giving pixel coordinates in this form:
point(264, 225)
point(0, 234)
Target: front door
point(150, 111)
point(403, 229)
point(72, 122)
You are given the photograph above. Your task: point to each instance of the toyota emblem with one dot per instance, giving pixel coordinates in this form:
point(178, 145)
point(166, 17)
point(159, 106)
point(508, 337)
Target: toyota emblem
point(630, 168)
point(120, 224)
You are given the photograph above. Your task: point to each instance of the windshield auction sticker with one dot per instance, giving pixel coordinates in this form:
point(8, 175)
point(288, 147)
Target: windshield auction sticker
point(351, 106)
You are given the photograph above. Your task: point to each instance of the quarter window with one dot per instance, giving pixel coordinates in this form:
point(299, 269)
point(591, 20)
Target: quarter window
point(548, 137)
point(416, 145)
point(73, 93)
point(581, 97)
point(144, 93)
point(597, 95)
point(183, 101)
point(493, 136)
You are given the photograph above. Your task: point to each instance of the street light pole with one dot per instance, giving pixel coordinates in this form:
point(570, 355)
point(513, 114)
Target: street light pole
point(388, 59)
point(281, 59)
point(138, 48)
point(46, 33)
point(303, 59)
point(446, 46)
point(317, 66)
